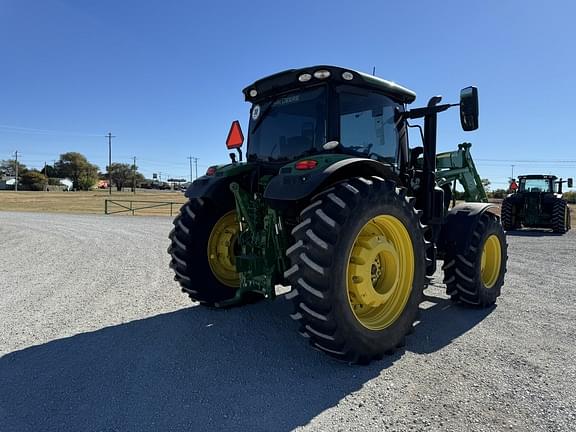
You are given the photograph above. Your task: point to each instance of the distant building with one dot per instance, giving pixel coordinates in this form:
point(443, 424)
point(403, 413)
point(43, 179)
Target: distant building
point(7, 183)
point(67, 183)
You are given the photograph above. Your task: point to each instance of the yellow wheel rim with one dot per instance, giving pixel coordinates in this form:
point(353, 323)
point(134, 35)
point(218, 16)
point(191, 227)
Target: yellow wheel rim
point(221, 244)
point(491, 261)
point(380, 272)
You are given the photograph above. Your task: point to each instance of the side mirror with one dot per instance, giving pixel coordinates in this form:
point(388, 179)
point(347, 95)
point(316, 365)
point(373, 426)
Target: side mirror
point(469, 108)
point(570, 182)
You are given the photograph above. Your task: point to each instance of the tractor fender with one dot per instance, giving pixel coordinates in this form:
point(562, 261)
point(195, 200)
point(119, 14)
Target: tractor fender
point(295, 187)
point(460, 224)
point(216, 187)
point(207, 187)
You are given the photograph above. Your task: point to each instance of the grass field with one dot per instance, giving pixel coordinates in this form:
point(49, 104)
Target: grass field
point(93, 202)
point(88, 202)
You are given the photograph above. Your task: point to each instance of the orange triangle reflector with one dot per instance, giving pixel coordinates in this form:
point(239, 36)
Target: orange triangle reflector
point(235, 136)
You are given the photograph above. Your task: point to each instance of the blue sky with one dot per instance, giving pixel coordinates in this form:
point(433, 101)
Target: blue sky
point(166, 76)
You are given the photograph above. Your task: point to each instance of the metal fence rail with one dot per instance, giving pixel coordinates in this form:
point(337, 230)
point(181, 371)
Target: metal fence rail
point(133, 206)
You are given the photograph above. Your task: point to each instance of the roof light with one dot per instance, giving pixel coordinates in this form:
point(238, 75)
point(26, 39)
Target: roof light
point(348, 76)
point(330, 145)
point(322, 74)
point(253, 93)
point(306, 164)
point(211, 170)
point(305, 77)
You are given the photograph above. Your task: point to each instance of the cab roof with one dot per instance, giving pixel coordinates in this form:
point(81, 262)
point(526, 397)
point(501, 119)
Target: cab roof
point(537, 177)
point(289, 80)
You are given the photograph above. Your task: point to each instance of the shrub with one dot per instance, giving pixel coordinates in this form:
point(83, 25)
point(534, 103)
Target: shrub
point(33, 180)
point(570, 197)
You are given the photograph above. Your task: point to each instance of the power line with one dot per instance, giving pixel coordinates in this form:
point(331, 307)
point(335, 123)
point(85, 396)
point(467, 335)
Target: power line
point(525, 160)
point(35, 131)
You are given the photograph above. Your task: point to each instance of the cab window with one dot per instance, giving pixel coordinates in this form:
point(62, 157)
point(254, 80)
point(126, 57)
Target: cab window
point(368, 126)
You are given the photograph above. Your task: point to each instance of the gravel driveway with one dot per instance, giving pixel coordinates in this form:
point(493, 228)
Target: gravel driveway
point(96, 336)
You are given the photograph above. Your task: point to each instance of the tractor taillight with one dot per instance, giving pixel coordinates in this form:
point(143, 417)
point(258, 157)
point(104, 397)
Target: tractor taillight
point(306, 164)
point(211, 171)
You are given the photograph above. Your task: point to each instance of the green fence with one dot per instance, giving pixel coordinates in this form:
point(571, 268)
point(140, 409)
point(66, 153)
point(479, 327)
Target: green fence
point(131, 206)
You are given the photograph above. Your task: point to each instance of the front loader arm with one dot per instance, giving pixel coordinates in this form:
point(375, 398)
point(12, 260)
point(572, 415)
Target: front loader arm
point(458, 165)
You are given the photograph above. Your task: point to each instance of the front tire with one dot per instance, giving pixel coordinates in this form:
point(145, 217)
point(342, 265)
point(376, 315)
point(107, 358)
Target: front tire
point(475, 276)
point(358, 269)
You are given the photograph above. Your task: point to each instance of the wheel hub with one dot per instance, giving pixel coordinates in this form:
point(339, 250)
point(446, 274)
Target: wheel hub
point(369, 284)
point(221, 257)
point(380, 272)
point(491, 261)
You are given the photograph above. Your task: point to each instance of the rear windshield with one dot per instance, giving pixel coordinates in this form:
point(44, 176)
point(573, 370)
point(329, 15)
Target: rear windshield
point(535, 185)
point(288, 127)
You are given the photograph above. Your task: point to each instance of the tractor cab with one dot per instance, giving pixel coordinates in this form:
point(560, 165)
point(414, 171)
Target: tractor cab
point(536, 184)
point(326, 109)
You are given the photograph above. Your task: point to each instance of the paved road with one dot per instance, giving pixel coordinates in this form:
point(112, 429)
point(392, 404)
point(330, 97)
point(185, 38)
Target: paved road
point(95, 336)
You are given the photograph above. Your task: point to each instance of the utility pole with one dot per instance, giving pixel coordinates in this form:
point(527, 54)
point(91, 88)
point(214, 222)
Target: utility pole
point(195, 159)
point(16, 169)
point(190, 160)
point(110, 136)
point(134, 176)
point(46, 186)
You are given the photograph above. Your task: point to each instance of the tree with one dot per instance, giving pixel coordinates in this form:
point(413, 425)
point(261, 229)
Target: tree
point(8, 168)
point(486, 184)
point(74, 165)
point(49, 171)
point(499, 193)
point(33, 180)
point(122, 175)
point(139, 179)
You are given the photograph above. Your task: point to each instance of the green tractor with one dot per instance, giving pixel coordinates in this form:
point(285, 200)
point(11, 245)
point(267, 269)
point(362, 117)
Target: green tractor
point(332, 202)
point(537, 203)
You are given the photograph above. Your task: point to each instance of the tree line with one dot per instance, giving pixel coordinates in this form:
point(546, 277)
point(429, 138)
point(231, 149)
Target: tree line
point(74, 166)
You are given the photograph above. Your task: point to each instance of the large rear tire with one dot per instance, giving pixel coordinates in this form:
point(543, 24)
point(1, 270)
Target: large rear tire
point(358, 269)
point(560, 216)
point(475, 276)
point(202, 251)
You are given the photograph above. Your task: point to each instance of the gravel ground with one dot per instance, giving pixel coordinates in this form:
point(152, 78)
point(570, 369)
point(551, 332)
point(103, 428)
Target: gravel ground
point(95, 336)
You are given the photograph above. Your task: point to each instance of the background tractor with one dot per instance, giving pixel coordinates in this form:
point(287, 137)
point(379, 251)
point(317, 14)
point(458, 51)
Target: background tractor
point(333, 202)
point(537, 203)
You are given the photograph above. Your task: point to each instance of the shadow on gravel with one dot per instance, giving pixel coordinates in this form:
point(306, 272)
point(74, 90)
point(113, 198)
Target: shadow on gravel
point(443, 322)
point(533, 233)
point(194, 369)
